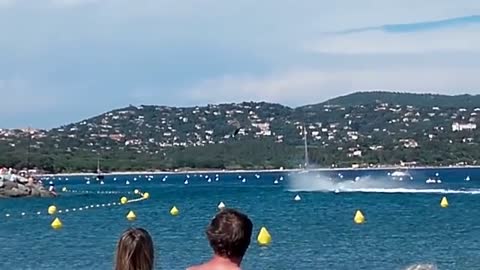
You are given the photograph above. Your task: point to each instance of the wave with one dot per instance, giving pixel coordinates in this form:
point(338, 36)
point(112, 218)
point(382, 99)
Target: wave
point(397, 190)
point(367, 184)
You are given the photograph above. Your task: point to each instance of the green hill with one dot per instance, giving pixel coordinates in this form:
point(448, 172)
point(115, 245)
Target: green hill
point(361, 129)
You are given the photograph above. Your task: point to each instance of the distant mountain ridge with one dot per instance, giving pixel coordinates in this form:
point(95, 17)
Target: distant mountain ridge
point(403, 98)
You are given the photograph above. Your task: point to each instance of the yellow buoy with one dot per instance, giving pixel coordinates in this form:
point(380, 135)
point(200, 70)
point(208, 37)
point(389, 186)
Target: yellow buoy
point(131, 216)
point(123, 200)
point(146, 195)
point(64, 189)
point(444, 202)
point(174, 211)
point(52, 209)
point(56, 224)
point(264, 238)
point(359, 217)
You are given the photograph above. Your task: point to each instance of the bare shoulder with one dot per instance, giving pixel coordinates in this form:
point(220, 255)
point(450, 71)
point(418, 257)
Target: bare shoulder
point(196, 267)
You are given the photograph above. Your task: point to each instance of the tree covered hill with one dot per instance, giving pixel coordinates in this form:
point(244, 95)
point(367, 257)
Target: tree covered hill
point(361, 129)
point(403, 98)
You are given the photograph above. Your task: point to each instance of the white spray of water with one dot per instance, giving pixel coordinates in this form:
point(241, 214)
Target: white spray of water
point(324, 183)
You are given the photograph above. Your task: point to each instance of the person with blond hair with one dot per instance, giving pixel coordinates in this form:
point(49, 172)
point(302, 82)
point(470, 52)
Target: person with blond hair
point(135, 251)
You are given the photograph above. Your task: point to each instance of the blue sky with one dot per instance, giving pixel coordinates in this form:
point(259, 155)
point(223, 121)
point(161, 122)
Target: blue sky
point(65, 60)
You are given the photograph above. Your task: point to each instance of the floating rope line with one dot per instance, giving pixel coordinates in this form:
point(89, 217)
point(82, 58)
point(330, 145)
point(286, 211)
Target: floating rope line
point(96, 191)
point(52, 210)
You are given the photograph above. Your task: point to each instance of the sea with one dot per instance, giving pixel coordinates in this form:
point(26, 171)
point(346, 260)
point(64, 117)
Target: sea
point(404, 222)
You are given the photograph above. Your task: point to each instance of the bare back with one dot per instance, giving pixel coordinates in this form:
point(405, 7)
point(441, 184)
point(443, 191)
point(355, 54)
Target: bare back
point(217, 263)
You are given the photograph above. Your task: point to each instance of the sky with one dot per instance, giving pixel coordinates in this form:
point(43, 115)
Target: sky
point(63, 61)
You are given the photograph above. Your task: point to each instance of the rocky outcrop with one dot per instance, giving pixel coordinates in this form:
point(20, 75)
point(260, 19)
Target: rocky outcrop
point(22, 188)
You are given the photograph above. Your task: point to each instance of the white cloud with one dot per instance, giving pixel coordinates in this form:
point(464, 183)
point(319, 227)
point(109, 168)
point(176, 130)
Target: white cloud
point(306, 86)
point(464, 39)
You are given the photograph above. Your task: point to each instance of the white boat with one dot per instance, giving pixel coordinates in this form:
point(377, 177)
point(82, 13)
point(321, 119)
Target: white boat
point(431, 181)
point(401, 175)
point(467, 178)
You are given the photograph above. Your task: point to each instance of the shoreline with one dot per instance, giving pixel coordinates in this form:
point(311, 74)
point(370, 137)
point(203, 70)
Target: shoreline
point(222, 171)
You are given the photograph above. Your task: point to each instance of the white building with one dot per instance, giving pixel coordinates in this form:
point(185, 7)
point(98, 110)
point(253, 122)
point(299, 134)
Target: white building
point(460, 127)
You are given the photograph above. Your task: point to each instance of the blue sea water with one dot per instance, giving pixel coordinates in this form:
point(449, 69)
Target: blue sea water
point(405, 223)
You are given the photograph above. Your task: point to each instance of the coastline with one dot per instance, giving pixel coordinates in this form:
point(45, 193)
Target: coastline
point(222, 171)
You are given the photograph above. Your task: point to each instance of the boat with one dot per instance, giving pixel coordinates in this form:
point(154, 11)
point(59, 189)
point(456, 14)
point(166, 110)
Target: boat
point(467, 178)
point(434, 180)
point(305, 165)
point(400, 175)
point(431, 181)
point(100, 175)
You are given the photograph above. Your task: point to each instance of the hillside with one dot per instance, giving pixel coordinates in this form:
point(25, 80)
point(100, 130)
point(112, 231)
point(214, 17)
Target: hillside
point(361, 129)
point(418, 100)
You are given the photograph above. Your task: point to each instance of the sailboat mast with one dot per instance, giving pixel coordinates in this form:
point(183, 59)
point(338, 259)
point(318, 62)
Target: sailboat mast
point(306, 146)
point(98, 164)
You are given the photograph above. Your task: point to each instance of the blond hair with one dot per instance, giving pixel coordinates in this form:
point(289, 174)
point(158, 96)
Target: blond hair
point(135, 250)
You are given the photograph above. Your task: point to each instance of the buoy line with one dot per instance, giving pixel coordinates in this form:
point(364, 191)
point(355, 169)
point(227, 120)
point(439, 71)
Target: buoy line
point(108, 192)
point(53, 210)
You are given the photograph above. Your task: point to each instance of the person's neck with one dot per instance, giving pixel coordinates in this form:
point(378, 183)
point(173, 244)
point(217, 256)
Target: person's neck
point(224, 260)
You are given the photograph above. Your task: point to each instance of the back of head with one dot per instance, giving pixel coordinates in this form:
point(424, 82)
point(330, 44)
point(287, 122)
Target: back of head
point(135, 250)
point(422, 267)
point(230, 234)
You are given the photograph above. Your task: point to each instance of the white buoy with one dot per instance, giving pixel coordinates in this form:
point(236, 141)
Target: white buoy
point(88, 182)
point(281, 178)
point(221, 205)
point(102, 183)
point(186, 182)
point(23, 213)
point(244, 180)
point(297, 198)
point(467, 178)
point(209, 180)
point(275, 182)
point(115, 179)
point(127, 182)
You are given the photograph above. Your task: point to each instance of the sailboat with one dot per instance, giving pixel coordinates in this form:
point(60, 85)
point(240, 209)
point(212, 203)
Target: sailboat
point(100, 175)
point(305, 168)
